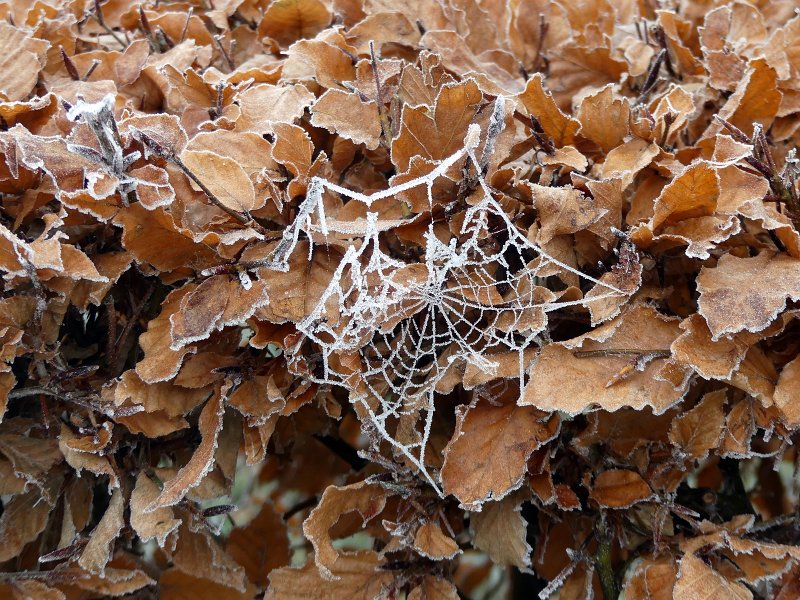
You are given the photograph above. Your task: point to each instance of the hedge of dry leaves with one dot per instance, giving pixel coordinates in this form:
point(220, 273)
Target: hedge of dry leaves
point(170, 425)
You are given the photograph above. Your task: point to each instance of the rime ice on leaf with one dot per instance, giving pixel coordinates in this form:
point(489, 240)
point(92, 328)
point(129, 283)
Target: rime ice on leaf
point(400, 331)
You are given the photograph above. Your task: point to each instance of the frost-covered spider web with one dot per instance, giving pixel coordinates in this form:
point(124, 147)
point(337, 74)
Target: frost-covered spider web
point(394, 333)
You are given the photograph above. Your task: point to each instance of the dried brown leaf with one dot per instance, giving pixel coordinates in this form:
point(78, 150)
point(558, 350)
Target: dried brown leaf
point(620, 488)
point(651, 578)
point(487, 456)
point(700, 430)
point(216, 303)
point(696, 581)
point(98, 551)
point(261, 546)
point(539, 103)
point(432, 542)
point(368, 500)
point(202, 460)
point(24, 518)
point(438, 132)
point(500, 530)
point(349, 116)
point(560, 380)
point(286, 21)
point(785, 397)
point(746, 294)
point(360, 576)
point(23, 57)
point(198, 553)
point(157, 524)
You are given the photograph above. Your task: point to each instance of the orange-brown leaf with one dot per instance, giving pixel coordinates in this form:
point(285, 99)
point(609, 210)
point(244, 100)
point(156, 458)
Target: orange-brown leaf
point(620, 488)
point(486, 458)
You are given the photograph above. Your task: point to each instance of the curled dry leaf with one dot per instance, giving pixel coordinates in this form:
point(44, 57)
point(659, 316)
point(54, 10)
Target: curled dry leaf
point(696, 579)
point(352, 117)
point(98, 551)
point(289, 20)
point(432, 542)
point(261, 546)
point(434, 588)
point(24, 57)
point(201, 462)
point(436, 132)
point(160, 361)
point(217, 302)
point(368, 500)
point(786, 393)
point(359, 575)
point(540, 104)
point(652, 578)
point(223, 177)
point(198, 554)
point(24, 518)
point(483, 467)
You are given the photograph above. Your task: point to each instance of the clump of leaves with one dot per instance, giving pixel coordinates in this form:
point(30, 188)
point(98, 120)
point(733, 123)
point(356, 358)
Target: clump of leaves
point(311, 299)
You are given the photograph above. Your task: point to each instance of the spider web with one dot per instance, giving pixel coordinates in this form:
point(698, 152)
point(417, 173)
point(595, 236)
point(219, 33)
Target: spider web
point(393, 332)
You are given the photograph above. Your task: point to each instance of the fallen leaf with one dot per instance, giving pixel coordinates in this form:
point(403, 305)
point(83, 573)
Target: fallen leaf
point(359, 575)
point(24, 56)
point(261, 546)
point(694, 193)
point(651, 578)
point(433, 543)
point(349, 116)
point(217, 302)
point(175, 584)
point(559, 127)
point(223, 177)
point(697, 580)
point(24, 518)
point(785, 393)
point(288, 20)
point(605, 118)
point(438, 135)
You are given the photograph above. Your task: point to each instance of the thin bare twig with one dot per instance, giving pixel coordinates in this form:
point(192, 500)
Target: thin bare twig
point(384, 120)
point(170, 155)
point(98, 16)
point(621, 352)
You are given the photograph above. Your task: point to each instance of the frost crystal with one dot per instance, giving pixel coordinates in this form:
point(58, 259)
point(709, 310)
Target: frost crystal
point(395, 333)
